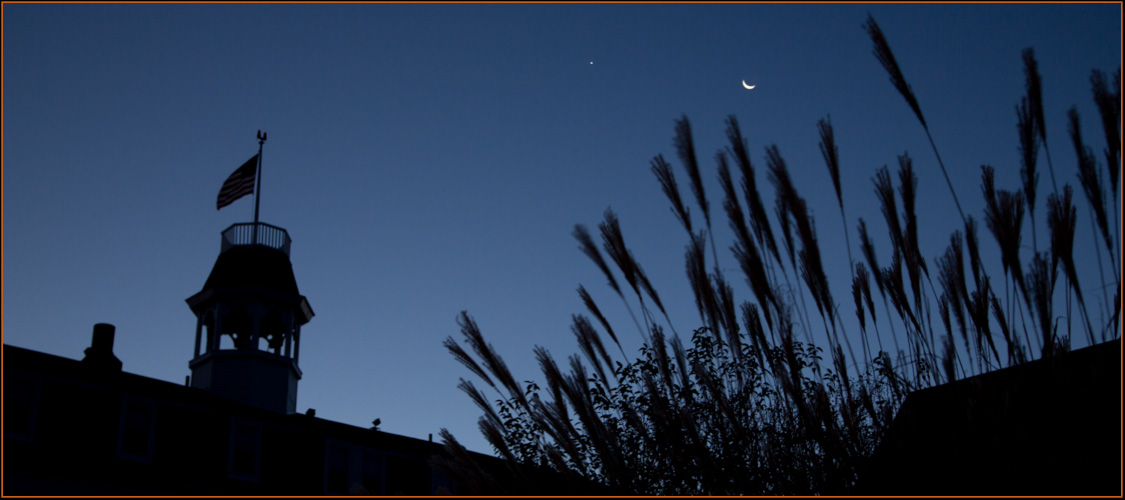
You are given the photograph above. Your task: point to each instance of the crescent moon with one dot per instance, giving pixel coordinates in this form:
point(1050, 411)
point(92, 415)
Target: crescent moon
point(748, 87)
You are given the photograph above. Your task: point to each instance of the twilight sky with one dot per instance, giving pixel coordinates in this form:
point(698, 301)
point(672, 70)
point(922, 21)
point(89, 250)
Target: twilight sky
point(429, 159)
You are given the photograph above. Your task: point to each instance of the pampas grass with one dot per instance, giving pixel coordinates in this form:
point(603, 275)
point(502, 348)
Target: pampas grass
point(1003, 214)
point(951, 277)
point(908, 189)
point(591, 306)
point(759, 218)
point(1061, 220)
point(743, 410)
point(811, 268)
point(1089, 178)
point(587, 246)
point(1029, 150)
point(883, 53)
point(685, 148)
point(1033, 83)
point(1095, 194)
point(1109, 107)
point(667, 179)
point(1041, 281)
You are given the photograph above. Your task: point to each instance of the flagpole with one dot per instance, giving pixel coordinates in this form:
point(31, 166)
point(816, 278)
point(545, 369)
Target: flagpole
point(258, 188)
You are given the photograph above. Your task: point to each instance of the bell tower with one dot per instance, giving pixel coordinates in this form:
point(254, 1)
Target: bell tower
point(248, 321)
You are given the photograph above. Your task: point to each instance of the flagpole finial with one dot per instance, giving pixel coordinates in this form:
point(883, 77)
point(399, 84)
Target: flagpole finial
point(261, 137)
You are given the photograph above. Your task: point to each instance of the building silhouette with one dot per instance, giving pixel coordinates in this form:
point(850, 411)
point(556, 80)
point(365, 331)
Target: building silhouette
point(1051, 427)
point(90, 428)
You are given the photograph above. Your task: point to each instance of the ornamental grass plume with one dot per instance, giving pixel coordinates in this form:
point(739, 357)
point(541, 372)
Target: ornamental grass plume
point(685, 148)
point(731, 205)
point(1016, 354)
point(1033, 82)
point(753, 323)
point(754, 268)
point(949, 351)
point(1095, 194)
point(857, 296)
point(896, 290)
point(591, 345)
point(908, 190)
point(1061, 220)
point(759, 218)
point(468, 473)
point(705, 299)
point(613, 242)
point(587, 246)
point(877, 275)
point(831, 155)
point(781, 210)
point(667, 179)
point(1041, 281)
point(869, 253)
point(883, 53)
point(1029, 150)
point(974, 250)
point(1089, 178)
point(862, 280)
point(951, 277)
point(1003, 213)
point(463, 357)
point(492, 361)
point(744, 249)
point(727, 317)
point(885, 191)
point(977, 307)
point(1109, 107)
point(811, 268)
point(591, 306)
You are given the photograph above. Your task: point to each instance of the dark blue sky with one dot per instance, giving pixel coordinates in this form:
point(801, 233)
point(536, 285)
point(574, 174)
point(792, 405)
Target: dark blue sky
point(428, 159)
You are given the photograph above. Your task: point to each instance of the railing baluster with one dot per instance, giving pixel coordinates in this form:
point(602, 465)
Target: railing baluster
point(243, 234)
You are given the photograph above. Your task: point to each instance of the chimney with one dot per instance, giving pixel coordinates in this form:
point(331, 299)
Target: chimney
point(100, 353)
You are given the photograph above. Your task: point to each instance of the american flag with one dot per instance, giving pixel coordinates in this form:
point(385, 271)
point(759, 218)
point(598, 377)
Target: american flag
point(239, 184)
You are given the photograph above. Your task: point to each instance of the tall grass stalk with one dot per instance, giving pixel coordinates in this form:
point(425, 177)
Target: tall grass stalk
point(883, 52)
point(587, 246)
point(685, 148)
point(1033, 82)
point(1062, 219)
point(831, 156)
point(1029, 150)
point(759, 218)
point(1090, 180)
point(743, 406)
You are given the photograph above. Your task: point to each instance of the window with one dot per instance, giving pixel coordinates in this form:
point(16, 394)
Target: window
point(372, 479)
point(245, 443)
point(135, 432)
point(352, 470)
point(443, 485)
point(336, 469)
point(407, 476)
point(21, 406)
